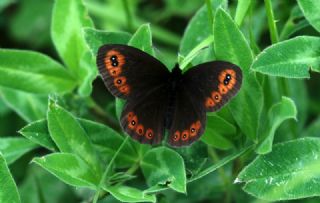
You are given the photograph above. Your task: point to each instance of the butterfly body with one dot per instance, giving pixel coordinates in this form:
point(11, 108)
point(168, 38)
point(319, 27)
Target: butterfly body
point(157, 99)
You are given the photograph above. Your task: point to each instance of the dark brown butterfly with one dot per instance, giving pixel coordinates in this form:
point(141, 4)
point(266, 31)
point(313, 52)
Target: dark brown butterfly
point(157, 99)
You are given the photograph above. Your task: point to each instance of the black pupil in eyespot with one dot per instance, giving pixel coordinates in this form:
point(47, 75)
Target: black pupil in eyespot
point(150, 134)
point(140, 131)
point(184, 136)
point(192, 130)
point(133, 122)
point(216, 97)
point(113, 58)
point(119, 81)
point(227, 79)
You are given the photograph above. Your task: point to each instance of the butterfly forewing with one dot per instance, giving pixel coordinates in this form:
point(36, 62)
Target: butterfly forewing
point(128, 72)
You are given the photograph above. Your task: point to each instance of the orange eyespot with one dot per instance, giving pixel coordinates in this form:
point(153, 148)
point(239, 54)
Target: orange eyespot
point(223, 89)
point(114, 59)
point(198, 125)
point(216, 96)
point(114, 72)
point(140, 130)
point(209, 103)
point(130, 116)
point(193, 130)
point(133, 123)
point(149, 134)
point(224, 73)
point(125, 89)
point(185, 135)
point(119, 81)
point(176, 136)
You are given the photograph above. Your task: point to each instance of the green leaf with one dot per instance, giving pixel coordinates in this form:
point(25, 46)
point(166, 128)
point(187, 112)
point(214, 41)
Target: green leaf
point(70, 137)
point(129, 194)
point(9, 191)
point(218, 133)
point(5, 3)
point(291, 58)
point(29, 190)
point(231, 45)
point(197, 31)
point(96, 38)
point(310, 9)
point(107, 142)
point(69, 168)
point(242, 9)
point(67, 34)
point(33, 72)
point(13, 148)
point(28, 106)
point(142, 39)
point(38, 133)
point(163, 166)
point(313, 129)
point(277, 114)
point(290, 171)
point(220, 163)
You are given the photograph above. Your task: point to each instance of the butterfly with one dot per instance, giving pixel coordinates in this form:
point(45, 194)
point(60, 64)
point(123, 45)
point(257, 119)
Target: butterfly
point(157, 99)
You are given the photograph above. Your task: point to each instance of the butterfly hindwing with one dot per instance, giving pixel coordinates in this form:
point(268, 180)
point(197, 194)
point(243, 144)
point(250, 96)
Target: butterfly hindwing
point(144, 119)
point(203, 88)
point(129, 72)
point(188, 119)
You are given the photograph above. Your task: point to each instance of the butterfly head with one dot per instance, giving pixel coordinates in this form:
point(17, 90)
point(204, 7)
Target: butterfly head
point(176, 71)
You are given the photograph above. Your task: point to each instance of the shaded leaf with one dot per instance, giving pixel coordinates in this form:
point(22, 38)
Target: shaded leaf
point(142, 39)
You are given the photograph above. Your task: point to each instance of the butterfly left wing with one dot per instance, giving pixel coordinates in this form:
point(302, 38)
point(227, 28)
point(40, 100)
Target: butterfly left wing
point(204, 88)
point(144, 118)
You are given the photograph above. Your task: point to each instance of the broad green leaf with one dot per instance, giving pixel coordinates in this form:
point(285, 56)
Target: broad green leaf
point(107, 142)
point(12, 148)
point(231, 45)
point(142, 39)
point(129, 194)
point(163, 166)
point(221, 163)
point(70, 137)
point(33, 72)
point(292, 58)
point(290, 171)
point(310, 9)
point(28, 106)
point(194, 156)
point(69, 168)
point(197, 31)
point(218, 133)
point(88, 74)
point(242, 9)
point(119, 106)
point(38, 133)
point(67, 35)
point(9, 191)
point(96, 38)
point(277, 114)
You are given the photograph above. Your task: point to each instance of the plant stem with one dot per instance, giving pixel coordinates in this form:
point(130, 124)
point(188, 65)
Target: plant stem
point(103, 179)
point(222, 173)
point(128, 14)
point(271, 22)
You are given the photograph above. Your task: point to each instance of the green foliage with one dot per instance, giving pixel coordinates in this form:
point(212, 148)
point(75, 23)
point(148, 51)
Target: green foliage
point(72, 148)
